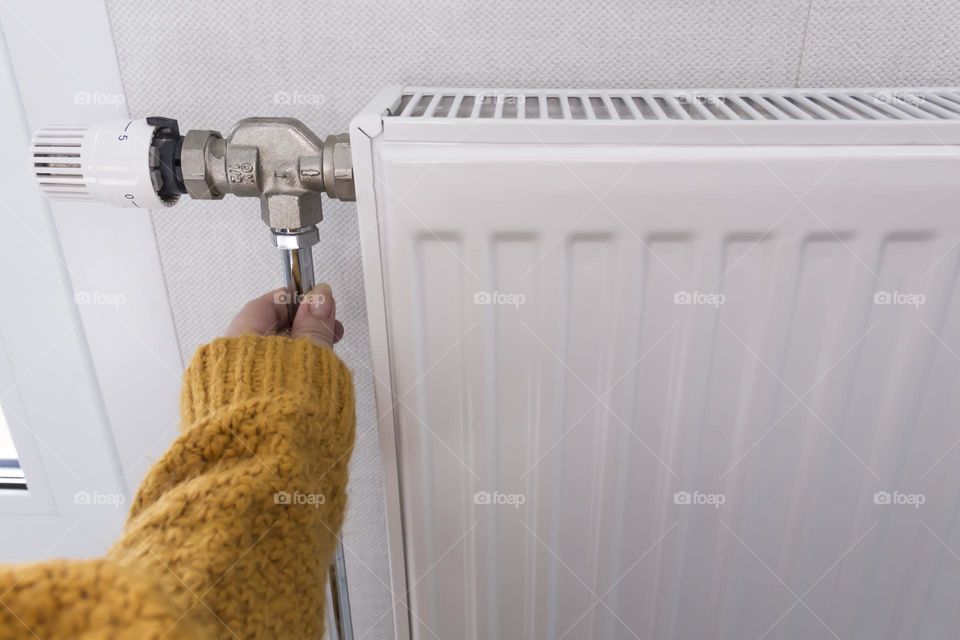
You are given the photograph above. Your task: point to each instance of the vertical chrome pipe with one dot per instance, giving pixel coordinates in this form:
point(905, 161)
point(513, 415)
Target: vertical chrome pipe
point(296, 249)
point(298, 273)
point(340, 597)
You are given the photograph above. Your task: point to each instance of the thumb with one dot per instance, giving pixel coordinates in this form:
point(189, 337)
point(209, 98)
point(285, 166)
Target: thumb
point(316, 318)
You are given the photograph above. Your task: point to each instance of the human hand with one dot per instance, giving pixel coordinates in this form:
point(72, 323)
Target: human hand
point(267, 315)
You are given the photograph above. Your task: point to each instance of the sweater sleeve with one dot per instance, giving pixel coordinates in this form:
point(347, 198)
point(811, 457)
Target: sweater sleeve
point(232, 531)
point(240, 516)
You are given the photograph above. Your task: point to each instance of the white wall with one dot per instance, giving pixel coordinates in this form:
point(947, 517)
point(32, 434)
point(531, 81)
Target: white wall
point(210, 64)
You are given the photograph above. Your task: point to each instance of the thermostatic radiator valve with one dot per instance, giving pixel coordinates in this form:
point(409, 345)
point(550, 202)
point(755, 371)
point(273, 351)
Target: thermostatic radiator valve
point(127, 163)
point(148, 164)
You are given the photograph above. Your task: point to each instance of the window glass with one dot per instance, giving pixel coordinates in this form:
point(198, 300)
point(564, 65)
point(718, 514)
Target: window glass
point(11, 476)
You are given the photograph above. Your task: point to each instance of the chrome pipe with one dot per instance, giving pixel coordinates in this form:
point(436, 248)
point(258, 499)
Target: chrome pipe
point(299, 276)
point(296, 248)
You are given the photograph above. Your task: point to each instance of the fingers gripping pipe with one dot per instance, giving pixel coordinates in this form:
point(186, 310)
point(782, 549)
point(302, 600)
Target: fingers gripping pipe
point(148, 164)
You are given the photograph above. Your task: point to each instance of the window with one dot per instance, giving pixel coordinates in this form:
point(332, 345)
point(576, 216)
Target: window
point(11, 475)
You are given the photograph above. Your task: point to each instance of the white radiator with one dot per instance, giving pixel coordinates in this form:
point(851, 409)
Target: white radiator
point(677, 364)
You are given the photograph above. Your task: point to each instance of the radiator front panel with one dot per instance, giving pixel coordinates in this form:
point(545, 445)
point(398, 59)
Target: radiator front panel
point(652, 391)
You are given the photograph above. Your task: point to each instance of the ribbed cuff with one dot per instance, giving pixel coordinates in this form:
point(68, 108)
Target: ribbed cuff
point(229, 371)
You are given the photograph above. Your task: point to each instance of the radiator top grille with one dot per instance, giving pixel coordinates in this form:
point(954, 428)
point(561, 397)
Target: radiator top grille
point(675, 105)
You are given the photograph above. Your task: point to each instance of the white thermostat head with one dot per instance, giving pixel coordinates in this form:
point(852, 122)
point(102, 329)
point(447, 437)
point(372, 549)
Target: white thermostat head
point(127, 163)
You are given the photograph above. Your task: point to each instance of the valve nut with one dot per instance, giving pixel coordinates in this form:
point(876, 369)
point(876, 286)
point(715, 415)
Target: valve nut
point(202, 165)
point(296, 238)
point(338, 168)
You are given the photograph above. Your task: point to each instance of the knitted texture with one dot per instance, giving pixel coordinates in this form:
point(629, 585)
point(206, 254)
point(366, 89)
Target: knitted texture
point(232, 531)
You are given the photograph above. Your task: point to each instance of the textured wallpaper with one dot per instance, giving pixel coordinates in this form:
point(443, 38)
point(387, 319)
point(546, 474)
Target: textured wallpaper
point(211, 63)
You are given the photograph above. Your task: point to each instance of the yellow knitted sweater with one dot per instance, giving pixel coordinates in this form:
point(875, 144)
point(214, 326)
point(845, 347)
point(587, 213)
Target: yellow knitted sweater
point(232, 531)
